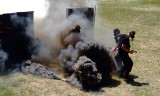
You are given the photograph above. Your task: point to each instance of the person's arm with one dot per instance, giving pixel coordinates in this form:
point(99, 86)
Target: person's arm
point(125, 49)
point(114, 49)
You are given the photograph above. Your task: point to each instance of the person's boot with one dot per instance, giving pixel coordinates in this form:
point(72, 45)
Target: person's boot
point(121, 75)
point(127, 77)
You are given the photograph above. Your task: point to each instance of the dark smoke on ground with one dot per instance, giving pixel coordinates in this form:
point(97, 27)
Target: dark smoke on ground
point(90, 63)
point(39, 70)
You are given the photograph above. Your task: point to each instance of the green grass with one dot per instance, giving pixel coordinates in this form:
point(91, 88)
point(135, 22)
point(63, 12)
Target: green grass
point(5, 92)
point(143, 16)
point(150, 2)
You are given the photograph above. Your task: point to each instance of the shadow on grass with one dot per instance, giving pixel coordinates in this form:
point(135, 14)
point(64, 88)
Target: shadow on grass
point(113, 83)
point(109, 84)
point(135, 83)
point(3, 73)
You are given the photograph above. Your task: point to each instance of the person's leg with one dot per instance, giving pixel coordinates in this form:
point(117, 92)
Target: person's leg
point(121, 75)
point(124, 58)
point(118, 61)
point(128, 67)
point(123, 70)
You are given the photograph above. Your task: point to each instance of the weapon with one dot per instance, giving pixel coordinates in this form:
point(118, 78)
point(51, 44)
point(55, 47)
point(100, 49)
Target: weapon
point(135, 51)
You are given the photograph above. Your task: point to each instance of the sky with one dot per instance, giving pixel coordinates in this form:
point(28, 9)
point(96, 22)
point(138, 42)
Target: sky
point(38, 6)
point(10, 6)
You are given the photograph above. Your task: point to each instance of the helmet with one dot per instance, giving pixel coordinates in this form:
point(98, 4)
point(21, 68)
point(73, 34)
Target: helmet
point(77, 27)
point(133, 34)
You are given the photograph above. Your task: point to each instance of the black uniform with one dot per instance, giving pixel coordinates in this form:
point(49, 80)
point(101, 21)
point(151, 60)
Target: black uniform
point(76, 30)
point(127, 61)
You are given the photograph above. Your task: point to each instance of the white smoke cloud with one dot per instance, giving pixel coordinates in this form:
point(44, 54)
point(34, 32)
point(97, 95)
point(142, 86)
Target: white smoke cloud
point(53, 29)
point(53, 26)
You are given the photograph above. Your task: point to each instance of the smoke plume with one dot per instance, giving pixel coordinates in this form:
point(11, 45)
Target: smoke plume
point(53, 29)
point(87, 63)
point(91, 63)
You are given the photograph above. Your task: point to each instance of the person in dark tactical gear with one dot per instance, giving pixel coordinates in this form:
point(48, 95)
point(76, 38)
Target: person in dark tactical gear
point(123, 51)
point(75, 30)
point(133, 35)
point(123, 47)
point(73, 36)
point(117, 58)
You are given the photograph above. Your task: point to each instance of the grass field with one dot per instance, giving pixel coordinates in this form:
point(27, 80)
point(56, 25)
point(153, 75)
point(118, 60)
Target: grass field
point(143, 16)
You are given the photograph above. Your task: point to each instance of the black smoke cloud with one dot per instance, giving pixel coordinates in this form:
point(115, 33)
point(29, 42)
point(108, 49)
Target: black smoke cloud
point(84, 56)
